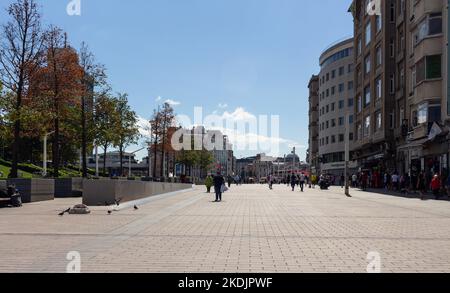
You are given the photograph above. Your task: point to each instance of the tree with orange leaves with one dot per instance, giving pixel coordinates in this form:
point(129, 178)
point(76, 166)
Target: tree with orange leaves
point(57, 85)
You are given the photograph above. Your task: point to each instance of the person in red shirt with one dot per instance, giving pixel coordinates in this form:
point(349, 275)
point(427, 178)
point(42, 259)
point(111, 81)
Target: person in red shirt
point(436, 186)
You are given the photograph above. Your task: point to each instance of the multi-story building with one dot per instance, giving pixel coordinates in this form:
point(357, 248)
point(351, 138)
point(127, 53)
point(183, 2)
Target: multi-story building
point(427, 110)
point(313, 151)
point(335, 106)
point(401, 76)
point(375, 39)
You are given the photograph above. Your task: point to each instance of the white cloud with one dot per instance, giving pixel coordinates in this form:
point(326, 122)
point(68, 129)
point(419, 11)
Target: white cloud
point(223, 106)
point(158, 99)
point(252, 137)
point(144, 127)
point(172, 102)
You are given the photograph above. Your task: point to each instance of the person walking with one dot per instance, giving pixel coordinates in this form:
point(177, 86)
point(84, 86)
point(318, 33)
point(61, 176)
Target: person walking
point(436, 186)
point(219, 184)
point(421, 186)
point(293, 182)
point(342, 181)
point(395, 180)
point(354, 181)
point(209, 183)
point(302, 181)
point(230, 180)
point(270, 181)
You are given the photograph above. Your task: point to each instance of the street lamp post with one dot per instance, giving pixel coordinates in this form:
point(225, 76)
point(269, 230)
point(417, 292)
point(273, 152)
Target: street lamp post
point(347, 153)
point(96, 161)
point(44, 157)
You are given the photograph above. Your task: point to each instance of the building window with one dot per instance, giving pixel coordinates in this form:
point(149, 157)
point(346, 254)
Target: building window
point(378, 121)
point(350, 119)
point(359, 132)
point(367, 97)
point(359, 104)
point(368, 33)
point(341, 121)
point(350, 102)
point(432, 25)
point(341, 104)
point(379, 56)
point(392, 84)
point(359, 46)
point(378, 23)
point(341, 71)
point(333, 122)
point(379, 88)
point(367, 126)
point(333, 139)
point(367, 64)
point(429, 67)
point(333, 74)
point(341, 87)
point(350, 85)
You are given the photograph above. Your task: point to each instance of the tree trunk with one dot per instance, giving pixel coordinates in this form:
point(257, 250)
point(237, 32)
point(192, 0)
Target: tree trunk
point(155, 146)
point(17, 125)
point(55, 149)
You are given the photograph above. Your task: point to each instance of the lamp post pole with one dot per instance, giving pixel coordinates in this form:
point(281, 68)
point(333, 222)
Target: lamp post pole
point(347, 153)
point(96, 161)
point(44, 155)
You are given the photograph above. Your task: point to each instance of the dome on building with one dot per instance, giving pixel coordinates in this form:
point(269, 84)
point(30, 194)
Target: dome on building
point(291, 157)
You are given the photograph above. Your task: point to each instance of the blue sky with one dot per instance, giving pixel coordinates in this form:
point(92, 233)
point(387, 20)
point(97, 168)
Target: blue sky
point(255, 56)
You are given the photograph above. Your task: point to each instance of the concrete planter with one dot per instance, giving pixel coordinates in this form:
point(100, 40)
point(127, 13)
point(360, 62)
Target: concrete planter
point(68, 187)
point(99, 192)
point(34, 190)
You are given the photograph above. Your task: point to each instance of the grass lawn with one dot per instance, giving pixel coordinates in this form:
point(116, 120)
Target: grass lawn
point(64, 173)
point(5, 171)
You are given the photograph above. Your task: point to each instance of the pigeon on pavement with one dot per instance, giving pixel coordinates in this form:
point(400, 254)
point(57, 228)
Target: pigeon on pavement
point(64, 212)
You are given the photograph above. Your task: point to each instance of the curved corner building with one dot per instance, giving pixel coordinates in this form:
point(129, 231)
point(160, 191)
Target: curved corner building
point(336, 102)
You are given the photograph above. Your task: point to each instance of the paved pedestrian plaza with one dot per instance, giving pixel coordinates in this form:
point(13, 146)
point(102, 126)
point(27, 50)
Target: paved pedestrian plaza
point(253, 230)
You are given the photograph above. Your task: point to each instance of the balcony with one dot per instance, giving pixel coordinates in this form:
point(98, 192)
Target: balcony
point(427, 89)
point(424, 7)
point(431, 45)
point(418, 132)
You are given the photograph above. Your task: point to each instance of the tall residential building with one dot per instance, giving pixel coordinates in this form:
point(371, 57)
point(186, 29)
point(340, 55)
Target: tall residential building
point(426, 114)
point(313, 151)
point(375, 39)
point(336, 104)
point(401, 79)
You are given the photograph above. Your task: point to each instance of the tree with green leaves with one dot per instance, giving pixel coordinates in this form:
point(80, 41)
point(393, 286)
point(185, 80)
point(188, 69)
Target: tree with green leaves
point(93, 77)
point(167, 120)
point(21, 53)
point(126, 127)
point(105, 120)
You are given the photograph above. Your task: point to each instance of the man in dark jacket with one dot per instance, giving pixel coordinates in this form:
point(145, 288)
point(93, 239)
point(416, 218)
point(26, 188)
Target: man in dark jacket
point(218, 183)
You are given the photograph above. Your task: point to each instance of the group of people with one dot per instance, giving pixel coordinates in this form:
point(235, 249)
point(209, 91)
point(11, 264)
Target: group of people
point(438, 184)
